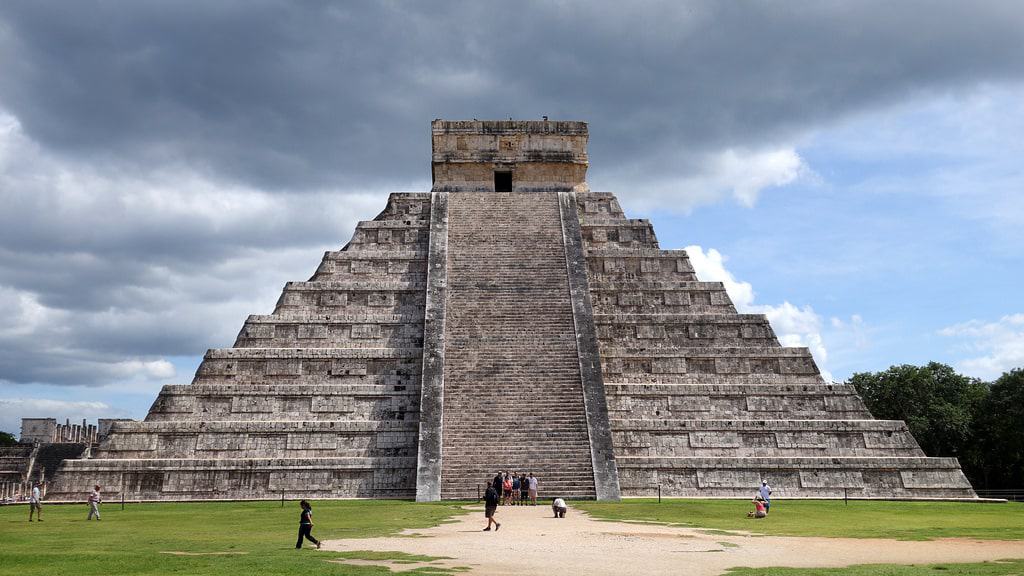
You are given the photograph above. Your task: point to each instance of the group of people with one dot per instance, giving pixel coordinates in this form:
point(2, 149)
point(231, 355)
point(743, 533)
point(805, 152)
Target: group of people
point(762, 501)
point(515, 489)
point(511, 489)
point(35, 502)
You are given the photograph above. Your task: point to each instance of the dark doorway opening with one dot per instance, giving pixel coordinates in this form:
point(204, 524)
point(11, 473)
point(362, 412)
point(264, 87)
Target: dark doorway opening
point(502, 181)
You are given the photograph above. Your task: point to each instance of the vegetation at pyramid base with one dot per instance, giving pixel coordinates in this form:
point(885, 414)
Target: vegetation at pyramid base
point(950, 414)
point(7, 439)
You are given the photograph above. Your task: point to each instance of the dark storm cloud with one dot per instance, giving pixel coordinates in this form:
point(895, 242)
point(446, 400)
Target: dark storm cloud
point(284, 95)
point(165, 167)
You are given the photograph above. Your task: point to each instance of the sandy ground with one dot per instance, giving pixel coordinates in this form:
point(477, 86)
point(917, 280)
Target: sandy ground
point(532, 542)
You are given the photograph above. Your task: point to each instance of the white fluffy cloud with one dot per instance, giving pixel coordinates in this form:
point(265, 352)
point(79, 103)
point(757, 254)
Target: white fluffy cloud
point(987, 349)
point(794, 325)
point(741, 174)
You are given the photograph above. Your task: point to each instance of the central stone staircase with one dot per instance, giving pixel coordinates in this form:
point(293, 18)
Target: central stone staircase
point(513, 391)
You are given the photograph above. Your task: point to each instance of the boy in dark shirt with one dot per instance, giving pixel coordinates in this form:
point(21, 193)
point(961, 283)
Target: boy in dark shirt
point(524, 490)
point(306, 525)
point(491, 499)
point(496, 483)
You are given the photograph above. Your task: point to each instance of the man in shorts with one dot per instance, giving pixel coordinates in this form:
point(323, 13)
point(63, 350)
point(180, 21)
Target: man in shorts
point(533, 489)
point(35, 504)
point(491, 498)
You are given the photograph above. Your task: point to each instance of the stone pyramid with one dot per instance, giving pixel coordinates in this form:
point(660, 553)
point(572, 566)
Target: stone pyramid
point(508, 320)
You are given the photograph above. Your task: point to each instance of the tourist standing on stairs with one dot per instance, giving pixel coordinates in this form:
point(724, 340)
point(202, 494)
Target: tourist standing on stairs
point(94, 502)
point(533, 489)
point(306, 526)
point(35, 503)
point(491, 499)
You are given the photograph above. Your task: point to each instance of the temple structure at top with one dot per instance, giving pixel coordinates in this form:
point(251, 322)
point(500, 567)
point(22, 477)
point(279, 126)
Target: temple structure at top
point(509, 156)
point(509, 319)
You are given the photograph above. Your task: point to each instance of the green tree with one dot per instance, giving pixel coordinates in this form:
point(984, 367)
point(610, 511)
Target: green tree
point(7, 439)
point(939, 406)
point(1001, 425)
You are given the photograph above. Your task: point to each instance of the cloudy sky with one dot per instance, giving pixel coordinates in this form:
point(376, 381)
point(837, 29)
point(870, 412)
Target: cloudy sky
point(852, 170)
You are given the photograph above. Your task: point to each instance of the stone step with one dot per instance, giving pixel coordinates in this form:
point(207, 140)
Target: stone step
point(510, 327)
point(825, 477)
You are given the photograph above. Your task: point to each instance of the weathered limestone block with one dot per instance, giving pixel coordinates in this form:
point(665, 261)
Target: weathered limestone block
point(831, 479)
point(934, 479)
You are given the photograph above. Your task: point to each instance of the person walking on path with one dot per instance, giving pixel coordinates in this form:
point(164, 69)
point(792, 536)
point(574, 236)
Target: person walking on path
point(35, 504)
point(491, 499)
point(306, 526)
point(533, 489)
point(765, 491)
point(94, 502)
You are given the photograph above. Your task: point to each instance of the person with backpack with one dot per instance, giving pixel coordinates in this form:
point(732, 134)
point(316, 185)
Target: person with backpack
point(491, 499)
point(306, 525)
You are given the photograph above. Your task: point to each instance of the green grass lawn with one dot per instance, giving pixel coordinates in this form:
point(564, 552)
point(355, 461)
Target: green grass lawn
point(256, 538)
point(1001, 568)
point(859, 519)
point(260, 534)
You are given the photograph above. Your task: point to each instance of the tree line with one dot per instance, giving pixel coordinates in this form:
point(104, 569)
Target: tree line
point(980, 423)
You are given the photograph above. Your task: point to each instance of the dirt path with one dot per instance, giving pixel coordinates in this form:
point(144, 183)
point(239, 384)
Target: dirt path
point(532, 542)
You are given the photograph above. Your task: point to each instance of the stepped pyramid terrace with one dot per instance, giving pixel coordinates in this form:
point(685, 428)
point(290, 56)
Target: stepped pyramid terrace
point(509, 319)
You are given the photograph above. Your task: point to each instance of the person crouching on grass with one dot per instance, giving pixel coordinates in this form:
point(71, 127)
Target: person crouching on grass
point(558, 507)
point(759, 509)
point(306, 526)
